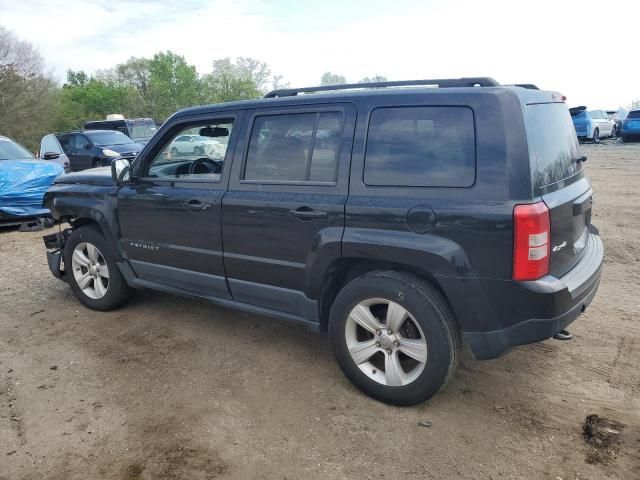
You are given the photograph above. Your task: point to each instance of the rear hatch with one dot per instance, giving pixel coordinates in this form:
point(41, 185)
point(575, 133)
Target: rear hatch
point(559, 180)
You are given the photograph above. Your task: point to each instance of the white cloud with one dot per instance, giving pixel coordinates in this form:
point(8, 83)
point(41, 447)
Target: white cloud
point(576, 47)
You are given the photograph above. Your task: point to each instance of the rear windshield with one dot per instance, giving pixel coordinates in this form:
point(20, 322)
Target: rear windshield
point(554, 144)
point(141, 129)
point(634, 114)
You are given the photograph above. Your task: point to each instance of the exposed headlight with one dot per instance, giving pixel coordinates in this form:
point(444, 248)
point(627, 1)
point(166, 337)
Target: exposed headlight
point(109, 153)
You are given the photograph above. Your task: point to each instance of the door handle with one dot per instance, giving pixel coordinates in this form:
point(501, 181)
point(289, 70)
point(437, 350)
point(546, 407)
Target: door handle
point(308, 213)
point(196, 205)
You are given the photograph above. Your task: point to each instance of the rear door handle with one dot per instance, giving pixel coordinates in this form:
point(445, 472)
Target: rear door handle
point(196, 205)
point(308, 213)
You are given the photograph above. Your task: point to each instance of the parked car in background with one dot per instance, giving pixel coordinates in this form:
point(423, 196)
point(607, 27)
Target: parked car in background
point(617, 116)
point(592, 125)
point(377, 215)
point(51, 150)
point(631, 126)
point(196, 144)
point(24, 179)
point(96, 148)
point(602, 125)
point(140, 130)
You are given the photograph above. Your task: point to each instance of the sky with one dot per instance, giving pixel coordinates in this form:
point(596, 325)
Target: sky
point(583, 48)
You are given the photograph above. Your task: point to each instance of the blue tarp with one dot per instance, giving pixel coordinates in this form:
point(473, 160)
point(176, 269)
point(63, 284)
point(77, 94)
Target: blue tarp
point(23, 184)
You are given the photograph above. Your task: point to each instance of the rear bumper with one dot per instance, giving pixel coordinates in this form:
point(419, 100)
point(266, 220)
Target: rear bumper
point(498, 315)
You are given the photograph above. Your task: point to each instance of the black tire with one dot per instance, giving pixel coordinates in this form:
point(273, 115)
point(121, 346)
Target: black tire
point(624, 138)
point(429, 310)
point(174, 152)
point(596, 136)
point(118, 291)
point(198, 151)
point(98, 162)
point(614, 132)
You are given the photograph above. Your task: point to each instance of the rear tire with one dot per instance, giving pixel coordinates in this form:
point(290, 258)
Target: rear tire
point(90, 261)
point(428, 331)
point(596, 136)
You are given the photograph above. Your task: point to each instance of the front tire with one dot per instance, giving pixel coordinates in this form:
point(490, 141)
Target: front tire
point(91, 270)
point(394, 337)
point(614, 132)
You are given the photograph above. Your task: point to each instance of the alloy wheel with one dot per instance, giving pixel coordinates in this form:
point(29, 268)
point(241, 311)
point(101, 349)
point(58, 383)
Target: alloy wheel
point(90, 270)
point(385, 342)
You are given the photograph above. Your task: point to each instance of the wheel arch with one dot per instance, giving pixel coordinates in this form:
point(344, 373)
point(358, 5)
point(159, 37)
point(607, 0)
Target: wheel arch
point(346, 269)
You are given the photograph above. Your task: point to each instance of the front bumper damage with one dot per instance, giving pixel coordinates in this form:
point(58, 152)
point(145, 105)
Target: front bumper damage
point(54, 243)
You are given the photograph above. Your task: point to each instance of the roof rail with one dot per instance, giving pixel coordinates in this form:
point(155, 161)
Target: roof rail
point(529, 86)
point(442, 83)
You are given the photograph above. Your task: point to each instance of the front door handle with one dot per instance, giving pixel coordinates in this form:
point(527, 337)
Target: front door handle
point(196, 205)
point(308, 213)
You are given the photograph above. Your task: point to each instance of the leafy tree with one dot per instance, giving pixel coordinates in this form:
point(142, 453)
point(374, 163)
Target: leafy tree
point(374, 79)
point(27, 93)
point(173, 84)
point(329, 78)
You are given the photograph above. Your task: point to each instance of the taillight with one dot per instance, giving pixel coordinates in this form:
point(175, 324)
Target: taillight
point(531, 241)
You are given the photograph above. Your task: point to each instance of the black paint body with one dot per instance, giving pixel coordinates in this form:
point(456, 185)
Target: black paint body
point(248, 250)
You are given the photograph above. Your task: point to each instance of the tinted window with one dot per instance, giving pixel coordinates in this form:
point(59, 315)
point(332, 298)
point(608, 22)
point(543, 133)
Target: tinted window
point(107, 138)
point(595, 114)
point(634, 114)
point(201, 159)
point(49, 144)
point(295, 147)
point(10, 150)
point(555, 145)
point(420, 147)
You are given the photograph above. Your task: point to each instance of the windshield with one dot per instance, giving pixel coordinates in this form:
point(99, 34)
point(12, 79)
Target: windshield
point(10, 150)
point(142, 130)
point(634, 114)
point(101, 139)
point(555, 145)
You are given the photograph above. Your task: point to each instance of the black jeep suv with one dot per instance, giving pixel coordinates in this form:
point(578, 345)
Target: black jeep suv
point(403, 219)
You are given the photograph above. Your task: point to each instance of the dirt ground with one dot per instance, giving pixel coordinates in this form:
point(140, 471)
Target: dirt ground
point(172, 388)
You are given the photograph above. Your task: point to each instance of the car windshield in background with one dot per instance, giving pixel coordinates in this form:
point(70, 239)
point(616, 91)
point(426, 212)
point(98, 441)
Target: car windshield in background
point(142, 130)
point(10, 150)
point(555, 145)
point(101, 139)
point(634, 114)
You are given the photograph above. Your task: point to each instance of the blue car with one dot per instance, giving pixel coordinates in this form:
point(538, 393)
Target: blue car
point(631, 126)
point(582, 122)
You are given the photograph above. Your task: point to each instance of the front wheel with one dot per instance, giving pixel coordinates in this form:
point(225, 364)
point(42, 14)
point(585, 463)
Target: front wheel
point(614, 132)
point(394, 337)
point(91, 270)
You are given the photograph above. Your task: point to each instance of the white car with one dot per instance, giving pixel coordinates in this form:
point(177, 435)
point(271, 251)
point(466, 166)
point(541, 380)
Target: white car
point(197, 145)
point(601, 125)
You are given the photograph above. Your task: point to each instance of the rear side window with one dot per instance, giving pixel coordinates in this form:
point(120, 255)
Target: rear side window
point(634, 114)
point(300, 147)
point(554, 142)
point(421, 147)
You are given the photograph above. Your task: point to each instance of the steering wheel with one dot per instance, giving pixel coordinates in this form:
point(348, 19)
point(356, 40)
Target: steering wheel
point(211, 166)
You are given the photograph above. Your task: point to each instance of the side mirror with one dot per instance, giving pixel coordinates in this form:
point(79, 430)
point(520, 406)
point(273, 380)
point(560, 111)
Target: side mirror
point(50, 155)
point(120, 170)
point(87, 146)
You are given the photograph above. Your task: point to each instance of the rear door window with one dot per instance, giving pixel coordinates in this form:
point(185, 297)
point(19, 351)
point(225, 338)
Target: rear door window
point(421, 147)
point(298, 147)
point(554, 145)
point(49, 145)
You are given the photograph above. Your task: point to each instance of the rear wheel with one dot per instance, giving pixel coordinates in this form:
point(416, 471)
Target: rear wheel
point(596, 136)
point(394, 337)
point(198, 151)
point(92, 272)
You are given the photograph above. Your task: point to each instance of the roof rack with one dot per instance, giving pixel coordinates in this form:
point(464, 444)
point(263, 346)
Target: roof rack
point(529, 86)
point(442, 83)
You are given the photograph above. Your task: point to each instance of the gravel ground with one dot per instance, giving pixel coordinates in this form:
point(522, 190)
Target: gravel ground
point(169, 388)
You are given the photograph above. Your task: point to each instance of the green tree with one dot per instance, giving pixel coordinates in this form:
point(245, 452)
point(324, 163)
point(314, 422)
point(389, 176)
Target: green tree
point(374, 79)
point(173, 84)
point(27, 93)
point(329, 78)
